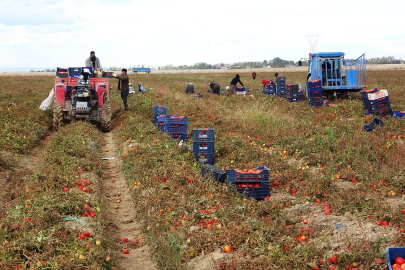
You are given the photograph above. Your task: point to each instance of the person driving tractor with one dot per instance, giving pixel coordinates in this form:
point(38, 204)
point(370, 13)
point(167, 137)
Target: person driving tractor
point(94, 62)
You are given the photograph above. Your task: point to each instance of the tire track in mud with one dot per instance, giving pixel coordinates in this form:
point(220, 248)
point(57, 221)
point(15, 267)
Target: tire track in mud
point(120, 217)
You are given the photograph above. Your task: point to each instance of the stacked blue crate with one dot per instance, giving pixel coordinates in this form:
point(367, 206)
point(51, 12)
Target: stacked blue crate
point(270, 89)
point(176, 126)
point(158, 110)
point(161, 122)
point(252, 184)
point(292, 93)
point(381, 107)
point(366, 102)
point(203, 145)
point(281, 87)
point(315, 93)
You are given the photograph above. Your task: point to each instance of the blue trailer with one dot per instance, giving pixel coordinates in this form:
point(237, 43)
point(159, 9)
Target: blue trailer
point(136, 70)
point(338, 75)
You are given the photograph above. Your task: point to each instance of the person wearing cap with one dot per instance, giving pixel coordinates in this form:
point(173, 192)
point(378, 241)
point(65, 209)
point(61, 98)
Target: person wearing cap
point(216, 88)
point(94, 62)
point(123, 86)
point(84, 79)
point(232, 85)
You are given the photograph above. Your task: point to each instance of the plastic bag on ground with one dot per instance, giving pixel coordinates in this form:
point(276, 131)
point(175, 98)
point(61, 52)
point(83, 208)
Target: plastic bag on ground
point(47, 103)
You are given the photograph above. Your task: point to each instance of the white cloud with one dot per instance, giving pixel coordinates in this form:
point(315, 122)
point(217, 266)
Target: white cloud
point(157, 32)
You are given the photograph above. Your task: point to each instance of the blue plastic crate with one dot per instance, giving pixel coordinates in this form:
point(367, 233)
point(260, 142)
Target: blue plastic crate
point(270, 87)
point(161, 126)
point(315, 94)
point(203, 147)
point(156, 118)
point(253, 185)
point(315, 99)
point(316, 104)
point(175, 128)
point(379, 101)
point(280, 80)
point(206, 159)
point(392, 254)
point(398, 114)
point(62, 72)
point(268, 92)
point(233, 176)
point(175, 119)
point(214, 173)
point(179, 136)
point(159, 109)
point(364, 93)
point(380, 107)
point(292, 94)
point(74, 72)
point(292, 88)
point(314, 84)
point(258, 193)
point(293, 99)
point(383, 113)
point(203, 135)
point(240, 89)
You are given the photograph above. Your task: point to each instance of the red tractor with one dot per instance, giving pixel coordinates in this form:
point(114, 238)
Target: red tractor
point(90, 102)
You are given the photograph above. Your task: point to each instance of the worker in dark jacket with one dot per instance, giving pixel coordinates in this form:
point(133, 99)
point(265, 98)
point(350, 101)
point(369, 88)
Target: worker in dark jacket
point(215, 87)
point(254, 75)
point(123, 86)
point(190, 89)
point(232, 85)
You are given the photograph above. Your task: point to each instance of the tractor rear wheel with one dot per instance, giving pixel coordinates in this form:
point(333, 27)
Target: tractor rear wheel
point(106, 117)
point(57, 115)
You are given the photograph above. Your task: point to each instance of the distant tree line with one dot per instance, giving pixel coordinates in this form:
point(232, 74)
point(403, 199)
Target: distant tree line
point(385, 60)
point(275, 62)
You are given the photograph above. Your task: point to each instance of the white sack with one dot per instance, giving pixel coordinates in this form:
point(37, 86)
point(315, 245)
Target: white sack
point(47, 103)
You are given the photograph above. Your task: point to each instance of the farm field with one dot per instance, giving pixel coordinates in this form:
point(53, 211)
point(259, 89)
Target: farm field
point(336, 198)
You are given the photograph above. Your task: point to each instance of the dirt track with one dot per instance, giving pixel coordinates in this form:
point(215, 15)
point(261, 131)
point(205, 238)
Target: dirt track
point(120, 216)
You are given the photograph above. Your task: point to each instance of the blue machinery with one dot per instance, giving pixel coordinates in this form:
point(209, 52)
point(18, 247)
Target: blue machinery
point(337, 73)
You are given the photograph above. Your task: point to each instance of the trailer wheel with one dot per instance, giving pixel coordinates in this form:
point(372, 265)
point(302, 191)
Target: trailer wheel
point(106, 117)
point(57, 115)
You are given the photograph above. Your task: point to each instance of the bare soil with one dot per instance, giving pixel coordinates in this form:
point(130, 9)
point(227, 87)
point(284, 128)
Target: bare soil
point(120, 216)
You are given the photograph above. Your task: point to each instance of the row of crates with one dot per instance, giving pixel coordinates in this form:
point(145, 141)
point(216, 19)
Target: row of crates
point(174, 125)
point(73, 72)
point(254, 184)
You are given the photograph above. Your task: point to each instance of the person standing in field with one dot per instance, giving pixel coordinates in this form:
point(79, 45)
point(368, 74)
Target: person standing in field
point(276, 75)
point(232, 85)
point(216, 88)
point(123, 86)
point(254, 75)
point(94, 62)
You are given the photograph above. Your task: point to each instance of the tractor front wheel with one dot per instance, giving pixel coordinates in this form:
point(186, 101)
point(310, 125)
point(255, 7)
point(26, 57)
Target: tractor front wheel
point(106, 117)
point(57, 115)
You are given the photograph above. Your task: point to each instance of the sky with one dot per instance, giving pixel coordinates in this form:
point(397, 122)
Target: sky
point(54, 33)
